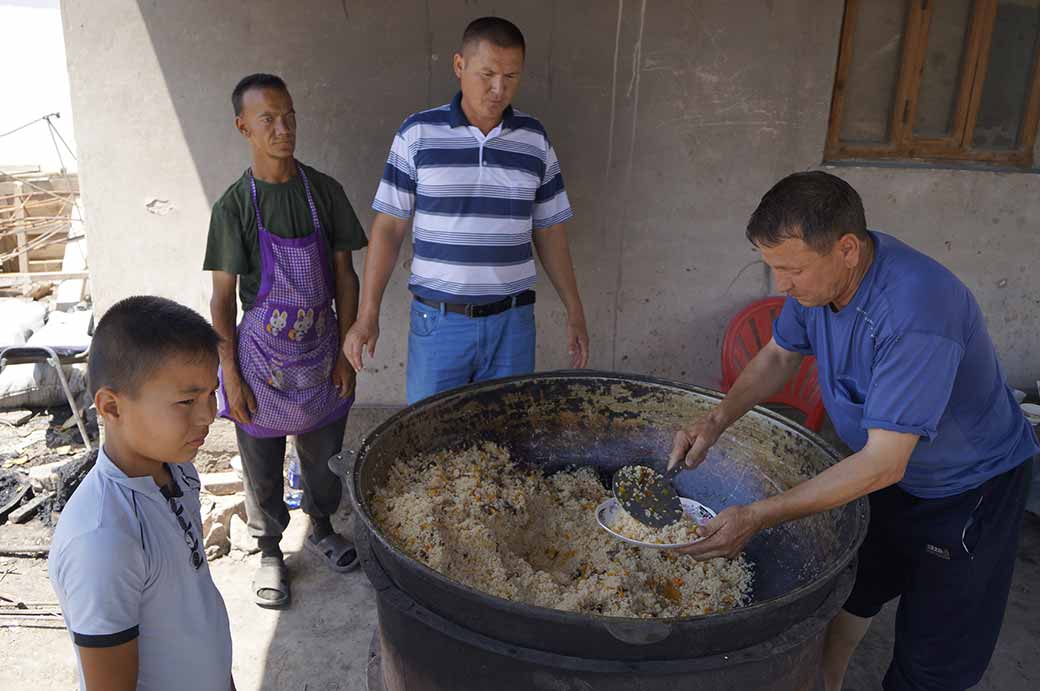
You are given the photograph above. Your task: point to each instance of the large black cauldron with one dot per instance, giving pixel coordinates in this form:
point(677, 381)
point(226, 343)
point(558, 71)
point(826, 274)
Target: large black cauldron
point(803, 570)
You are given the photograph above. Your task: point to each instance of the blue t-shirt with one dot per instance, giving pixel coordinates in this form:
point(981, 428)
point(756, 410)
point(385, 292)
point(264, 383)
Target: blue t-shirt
point(911, 353)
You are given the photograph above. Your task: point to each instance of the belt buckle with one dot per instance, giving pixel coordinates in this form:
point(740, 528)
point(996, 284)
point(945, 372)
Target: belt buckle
point(469, 310)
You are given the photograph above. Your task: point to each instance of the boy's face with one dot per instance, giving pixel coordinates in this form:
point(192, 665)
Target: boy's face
point(168, 417)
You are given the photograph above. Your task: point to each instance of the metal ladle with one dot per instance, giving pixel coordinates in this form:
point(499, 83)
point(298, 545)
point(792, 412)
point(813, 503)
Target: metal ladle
point(648, 495)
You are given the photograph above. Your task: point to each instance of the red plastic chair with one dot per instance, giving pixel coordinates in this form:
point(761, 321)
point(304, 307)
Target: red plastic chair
point(748, 333)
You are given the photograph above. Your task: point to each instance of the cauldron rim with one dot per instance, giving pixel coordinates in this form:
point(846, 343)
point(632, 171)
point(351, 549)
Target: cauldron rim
point(823, 579)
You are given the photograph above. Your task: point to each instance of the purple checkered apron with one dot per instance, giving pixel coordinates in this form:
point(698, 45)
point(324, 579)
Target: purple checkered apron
point(289, 340)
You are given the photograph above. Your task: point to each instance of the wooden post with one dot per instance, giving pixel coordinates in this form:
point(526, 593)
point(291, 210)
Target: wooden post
point(23, 238)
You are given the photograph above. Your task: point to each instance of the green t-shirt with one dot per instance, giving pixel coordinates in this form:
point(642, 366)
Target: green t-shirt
point(233, 244)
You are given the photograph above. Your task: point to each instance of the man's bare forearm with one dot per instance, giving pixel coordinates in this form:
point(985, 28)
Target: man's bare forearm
point(348, 288)
point(224, 324)
point(555, 254)
point(766, 374)
point(224, 313)
point(384, 246)
point(881, 463)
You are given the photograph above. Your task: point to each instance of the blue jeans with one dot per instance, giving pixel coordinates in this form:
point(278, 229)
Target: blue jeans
point(447, 350)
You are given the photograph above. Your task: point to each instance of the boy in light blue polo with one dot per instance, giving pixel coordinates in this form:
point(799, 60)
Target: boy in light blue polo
point(127, 560)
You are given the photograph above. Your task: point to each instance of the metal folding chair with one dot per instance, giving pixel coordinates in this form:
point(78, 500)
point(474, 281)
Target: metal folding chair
point(57, 357)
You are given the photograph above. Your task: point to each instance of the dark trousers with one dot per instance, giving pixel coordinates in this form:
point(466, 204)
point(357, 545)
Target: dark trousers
point(951, 560)
point(263, 461)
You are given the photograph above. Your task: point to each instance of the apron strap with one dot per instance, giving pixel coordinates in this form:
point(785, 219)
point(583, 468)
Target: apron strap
point(306, 189)
point(256, 204)
point(310, 199)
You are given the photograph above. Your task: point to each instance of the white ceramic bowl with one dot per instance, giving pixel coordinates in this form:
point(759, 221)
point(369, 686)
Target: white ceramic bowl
point(1032, 411)
point(700, 513)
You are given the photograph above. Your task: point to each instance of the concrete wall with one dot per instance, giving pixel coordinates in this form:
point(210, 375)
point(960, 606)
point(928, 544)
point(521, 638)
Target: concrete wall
point(671, 119)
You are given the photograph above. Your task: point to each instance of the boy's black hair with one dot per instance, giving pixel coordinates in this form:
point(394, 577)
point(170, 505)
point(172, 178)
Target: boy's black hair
point(499, 32)
point(255, 81)
point(137, 334)
point(815, 207)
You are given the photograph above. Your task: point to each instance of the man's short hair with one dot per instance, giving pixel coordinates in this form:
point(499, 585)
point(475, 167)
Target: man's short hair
point(255, 81)
point(497, 31)
point(816, 207)
point(138, 334)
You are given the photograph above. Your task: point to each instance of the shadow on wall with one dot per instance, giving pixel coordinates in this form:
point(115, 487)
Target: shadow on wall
point(350, 92)
point(355, 70)
point(652, 145)
point(343, 80)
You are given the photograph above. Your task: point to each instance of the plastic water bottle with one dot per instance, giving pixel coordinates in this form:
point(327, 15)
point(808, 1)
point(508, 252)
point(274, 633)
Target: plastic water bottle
point(294, 491)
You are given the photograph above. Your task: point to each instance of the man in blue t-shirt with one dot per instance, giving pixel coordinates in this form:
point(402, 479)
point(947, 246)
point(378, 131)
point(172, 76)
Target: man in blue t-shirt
point(911, 381)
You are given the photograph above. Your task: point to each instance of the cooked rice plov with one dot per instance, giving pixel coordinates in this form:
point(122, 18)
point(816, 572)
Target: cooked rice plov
point(682, 532)
point(479, 519)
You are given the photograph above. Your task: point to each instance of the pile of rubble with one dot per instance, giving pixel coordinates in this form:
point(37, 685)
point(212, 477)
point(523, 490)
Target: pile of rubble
point(42, 491)
point(224, 515)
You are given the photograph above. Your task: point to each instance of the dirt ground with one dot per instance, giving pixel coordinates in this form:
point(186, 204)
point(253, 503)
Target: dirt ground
point(322, 642)
point(33, 437)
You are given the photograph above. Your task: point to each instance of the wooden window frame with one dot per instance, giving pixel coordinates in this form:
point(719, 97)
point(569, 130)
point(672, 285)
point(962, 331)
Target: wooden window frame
point(902, 145)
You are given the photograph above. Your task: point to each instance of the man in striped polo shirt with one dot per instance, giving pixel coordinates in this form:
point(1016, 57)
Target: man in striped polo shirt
point(481, 181)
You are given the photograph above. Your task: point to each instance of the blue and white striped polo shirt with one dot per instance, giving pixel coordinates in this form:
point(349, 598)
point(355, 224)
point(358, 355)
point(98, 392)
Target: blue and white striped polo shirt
point(475, 199)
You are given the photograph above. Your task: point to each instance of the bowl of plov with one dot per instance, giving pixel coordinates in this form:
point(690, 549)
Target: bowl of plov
point(613, 518)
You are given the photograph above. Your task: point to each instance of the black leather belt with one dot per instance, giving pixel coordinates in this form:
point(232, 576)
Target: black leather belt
point(518, 300)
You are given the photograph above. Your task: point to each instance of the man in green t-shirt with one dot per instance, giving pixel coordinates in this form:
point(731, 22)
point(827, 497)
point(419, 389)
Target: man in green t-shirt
point(282, 235)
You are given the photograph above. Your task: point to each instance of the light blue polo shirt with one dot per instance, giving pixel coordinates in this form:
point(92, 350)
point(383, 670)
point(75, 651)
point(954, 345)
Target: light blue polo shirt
point(122, 567)
point(911, 353)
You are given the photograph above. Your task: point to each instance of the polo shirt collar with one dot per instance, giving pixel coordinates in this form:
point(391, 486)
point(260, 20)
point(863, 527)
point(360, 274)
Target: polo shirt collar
point(457, 116)
point(143, 485)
